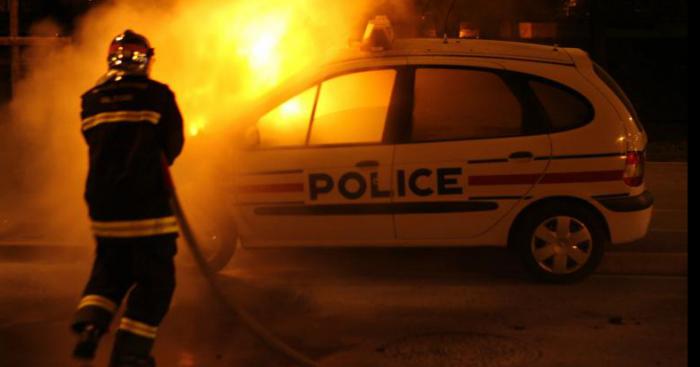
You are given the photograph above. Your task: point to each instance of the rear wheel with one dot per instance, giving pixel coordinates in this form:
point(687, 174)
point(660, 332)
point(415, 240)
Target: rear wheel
point(560, 243)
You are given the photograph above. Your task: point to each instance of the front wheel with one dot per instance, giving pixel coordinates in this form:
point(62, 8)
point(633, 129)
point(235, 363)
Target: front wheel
point(217, 237)
point(560, 243)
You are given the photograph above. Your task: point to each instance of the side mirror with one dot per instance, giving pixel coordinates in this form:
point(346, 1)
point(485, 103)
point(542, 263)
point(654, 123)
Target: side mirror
point(252, 137)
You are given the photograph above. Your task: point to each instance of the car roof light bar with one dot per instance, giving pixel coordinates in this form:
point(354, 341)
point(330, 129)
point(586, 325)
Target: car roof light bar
point(379, 35)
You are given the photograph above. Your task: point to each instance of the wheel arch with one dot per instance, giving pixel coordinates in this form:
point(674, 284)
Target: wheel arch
point(559, 200)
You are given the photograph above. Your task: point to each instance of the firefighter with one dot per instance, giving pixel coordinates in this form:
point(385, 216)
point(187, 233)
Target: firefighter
point(130, 123)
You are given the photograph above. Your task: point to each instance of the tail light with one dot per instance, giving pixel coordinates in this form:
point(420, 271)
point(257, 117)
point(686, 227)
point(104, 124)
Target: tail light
point(634, 168)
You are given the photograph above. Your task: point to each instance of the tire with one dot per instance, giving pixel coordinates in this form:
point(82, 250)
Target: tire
point(561, 243)
point(218, 241)
point(223, 253)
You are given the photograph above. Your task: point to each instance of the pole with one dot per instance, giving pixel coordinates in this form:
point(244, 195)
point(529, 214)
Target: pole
point(15, 61)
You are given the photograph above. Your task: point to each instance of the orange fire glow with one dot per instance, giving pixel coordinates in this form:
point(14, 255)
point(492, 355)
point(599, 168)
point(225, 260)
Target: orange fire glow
point(218, 56)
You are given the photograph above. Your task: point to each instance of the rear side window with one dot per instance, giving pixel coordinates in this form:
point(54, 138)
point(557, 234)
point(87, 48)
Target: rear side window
point(287, 124)
point(612, 84)
point(455, 104)
point(565, 109)
point(352, 108)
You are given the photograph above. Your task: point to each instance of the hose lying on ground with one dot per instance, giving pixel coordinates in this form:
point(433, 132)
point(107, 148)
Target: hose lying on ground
point(248, 320)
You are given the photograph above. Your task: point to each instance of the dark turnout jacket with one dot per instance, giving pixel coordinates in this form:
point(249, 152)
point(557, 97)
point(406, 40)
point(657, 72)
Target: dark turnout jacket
point(129, 122)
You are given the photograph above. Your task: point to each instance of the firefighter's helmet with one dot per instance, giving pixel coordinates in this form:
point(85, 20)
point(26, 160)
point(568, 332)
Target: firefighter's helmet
point(130, 52)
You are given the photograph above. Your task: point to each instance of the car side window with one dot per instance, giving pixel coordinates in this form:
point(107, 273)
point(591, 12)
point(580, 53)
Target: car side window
point(455, 104)
point(612, 84)
point(352, 108)
point(288, 124)
point(564, 109)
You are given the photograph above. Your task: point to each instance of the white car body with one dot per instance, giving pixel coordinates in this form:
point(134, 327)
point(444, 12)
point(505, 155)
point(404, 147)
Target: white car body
point(467, 192)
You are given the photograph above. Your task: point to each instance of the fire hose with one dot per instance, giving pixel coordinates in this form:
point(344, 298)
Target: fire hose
point(254, 326)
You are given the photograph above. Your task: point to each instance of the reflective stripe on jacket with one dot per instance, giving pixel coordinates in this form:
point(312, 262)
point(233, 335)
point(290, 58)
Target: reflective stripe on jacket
point(129, 122)
point(135, 228)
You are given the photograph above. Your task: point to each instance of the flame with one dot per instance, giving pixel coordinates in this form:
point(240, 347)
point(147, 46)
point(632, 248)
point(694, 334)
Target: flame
point(234, 52)
point(291, 109)
point(196, 125)
point(288, 123)
point(263, 49)
point(216, 55)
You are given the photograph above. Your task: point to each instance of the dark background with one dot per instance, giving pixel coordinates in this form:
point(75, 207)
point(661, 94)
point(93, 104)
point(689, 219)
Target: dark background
point(642, 43)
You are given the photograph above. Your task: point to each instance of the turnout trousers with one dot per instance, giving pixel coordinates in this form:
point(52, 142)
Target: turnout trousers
point(143, 268)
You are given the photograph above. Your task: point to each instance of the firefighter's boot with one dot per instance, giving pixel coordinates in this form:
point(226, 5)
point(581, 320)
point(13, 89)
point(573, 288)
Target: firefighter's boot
point(88, 339)
point(131, 350)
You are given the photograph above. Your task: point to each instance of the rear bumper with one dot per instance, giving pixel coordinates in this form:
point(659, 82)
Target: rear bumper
point(628, 217)
point(628, 203)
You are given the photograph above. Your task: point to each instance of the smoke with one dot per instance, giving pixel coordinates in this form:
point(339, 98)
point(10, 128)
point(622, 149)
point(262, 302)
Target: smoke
point(217, 56)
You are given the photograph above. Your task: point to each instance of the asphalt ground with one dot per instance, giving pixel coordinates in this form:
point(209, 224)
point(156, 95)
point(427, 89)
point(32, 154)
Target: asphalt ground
point(347, 312)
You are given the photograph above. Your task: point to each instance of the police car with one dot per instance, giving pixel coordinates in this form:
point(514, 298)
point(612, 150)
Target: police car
point(431, 142)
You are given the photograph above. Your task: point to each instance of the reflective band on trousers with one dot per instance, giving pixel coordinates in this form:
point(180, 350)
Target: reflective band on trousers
point(98, 301)
point(138, 328)
point(135, 228)
point(120, 116)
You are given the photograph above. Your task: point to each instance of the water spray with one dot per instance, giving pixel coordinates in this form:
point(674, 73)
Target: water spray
point(255, 327)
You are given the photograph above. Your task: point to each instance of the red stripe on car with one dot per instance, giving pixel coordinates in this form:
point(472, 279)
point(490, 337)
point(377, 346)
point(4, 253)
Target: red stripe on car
point(271, 188)
point(549, 178)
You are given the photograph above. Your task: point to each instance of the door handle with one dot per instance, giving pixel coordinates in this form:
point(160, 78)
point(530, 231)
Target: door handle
point(521, 156)
point(366, 164)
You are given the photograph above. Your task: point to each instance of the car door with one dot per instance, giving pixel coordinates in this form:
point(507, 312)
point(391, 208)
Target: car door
point(472, 147)
point(324, 177)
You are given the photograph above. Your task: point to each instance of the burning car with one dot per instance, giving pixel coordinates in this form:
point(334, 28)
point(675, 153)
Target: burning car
point(448, 142)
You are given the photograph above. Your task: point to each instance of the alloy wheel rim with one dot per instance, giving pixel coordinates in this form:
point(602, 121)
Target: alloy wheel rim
point(561, 245)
